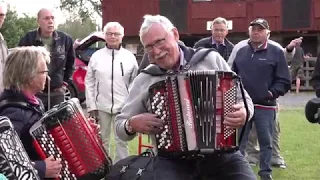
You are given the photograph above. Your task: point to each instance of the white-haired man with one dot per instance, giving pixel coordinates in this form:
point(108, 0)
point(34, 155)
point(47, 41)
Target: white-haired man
point(217, 40)
point(160, 40)
point(109, 75)
point(265, 75)
point(3, 46)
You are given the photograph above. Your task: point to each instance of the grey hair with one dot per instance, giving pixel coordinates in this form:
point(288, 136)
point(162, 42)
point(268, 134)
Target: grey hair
point(21, 66)
point(220, 20)
point(4, 6)
point(114, 24)
point(150, 20)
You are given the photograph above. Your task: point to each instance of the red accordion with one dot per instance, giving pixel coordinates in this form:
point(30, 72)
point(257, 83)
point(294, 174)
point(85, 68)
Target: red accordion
point(15, 163)
point(65, 133)
point(193, 105)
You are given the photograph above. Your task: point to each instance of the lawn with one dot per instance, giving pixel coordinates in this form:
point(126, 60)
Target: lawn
point(300, 146)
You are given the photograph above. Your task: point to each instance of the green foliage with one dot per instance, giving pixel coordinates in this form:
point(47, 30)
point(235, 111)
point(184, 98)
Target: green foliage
point(83, 8)
point(14, 27)
point(78, 28)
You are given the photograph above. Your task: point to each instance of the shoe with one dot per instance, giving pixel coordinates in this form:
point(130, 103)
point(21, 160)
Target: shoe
point(266, 177)
point(281, 165)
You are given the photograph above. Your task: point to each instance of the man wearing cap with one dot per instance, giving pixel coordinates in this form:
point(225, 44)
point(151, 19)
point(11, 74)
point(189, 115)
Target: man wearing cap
point(265, 75)
point(252, 149)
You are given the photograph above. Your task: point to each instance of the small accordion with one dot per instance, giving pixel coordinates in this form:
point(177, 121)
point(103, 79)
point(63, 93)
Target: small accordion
point(65, 133)
point(15, 163)
point(193, 105)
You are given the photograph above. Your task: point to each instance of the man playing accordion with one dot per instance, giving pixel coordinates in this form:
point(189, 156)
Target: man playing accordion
point(159, 38)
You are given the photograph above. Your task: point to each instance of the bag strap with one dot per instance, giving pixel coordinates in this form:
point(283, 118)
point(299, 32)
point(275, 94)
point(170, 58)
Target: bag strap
point(6, 103)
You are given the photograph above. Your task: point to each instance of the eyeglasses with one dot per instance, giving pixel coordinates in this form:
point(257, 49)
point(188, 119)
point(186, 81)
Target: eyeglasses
point(113, 34)
point(219, 30)
point(46, 72)
point(158, 44)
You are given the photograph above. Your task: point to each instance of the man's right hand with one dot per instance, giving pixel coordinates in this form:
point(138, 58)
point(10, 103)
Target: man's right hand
point(146, 123)
point(53, 167)
point(94, 114)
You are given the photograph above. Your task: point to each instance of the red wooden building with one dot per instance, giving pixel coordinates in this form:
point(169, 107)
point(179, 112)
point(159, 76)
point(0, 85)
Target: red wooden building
point(287, 18)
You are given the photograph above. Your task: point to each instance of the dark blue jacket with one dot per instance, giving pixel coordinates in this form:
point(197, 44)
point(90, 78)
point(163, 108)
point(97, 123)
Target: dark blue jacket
point(62, 55)
point(225, 51)
point(22, 118)
point(261, 71)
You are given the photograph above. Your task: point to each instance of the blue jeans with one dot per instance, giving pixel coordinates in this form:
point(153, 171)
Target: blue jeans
point(264, 120)
point(231, 166)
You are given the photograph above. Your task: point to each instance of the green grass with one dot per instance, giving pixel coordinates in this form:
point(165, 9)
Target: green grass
point(300, 146)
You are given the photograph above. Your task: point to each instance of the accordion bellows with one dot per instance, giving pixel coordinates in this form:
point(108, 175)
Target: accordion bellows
point(193, 105)
point(65, 133)
point(15, 163)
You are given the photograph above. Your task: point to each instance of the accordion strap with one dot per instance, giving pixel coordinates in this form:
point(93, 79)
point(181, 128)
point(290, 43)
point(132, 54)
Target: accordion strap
point(245, 106)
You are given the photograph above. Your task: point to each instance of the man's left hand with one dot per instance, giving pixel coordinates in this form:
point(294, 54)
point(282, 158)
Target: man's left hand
point(237, 118)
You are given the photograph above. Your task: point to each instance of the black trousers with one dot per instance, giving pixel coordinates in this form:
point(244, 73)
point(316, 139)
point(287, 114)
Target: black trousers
point(217, 167)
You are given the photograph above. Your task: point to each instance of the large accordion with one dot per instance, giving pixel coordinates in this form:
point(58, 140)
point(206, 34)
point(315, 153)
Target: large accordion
point(65, 133)
point(15, 163)
point(193, 105)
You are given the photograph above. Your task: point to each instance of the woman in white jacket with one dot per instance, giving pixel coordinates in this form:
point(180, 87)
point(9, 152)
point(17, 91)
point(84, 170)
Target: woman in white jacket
point(109, 75)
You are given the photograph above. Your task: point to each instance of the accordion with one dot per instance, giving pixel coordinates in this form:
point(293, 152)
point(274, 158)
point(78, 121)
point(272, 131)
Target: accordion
point(15, 163)
point(65, 133)
point(193, 105)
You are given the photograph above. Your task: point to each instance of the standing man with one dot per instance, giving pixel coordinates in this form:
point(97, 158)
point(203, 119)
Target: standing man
point(60, 46)
point(218, 39)
point(110, 73)
point(265, 75)
point(3, 44)
point(296, 65)
point(252, 149)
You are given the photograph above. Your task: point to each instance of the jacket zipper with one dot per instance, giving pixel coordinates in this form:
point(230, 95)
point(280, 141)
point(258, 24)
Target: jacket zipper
point(97, 92)
point(112, 69)
point(122, 72)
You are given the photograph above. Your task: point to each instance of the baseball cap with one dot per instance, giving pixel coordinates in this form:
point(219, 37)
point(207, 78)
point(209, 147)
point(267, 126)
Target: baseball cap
point(261, 22)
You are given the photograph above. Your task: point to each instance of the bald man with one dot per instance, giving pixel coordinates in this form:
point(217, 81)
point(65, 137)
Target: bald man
point(3, 46)
point(60, 46)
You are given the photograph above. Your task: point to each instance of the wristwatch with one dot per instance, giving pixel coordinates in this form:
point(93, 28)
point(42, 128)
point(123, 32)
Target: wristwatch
point(128, 127)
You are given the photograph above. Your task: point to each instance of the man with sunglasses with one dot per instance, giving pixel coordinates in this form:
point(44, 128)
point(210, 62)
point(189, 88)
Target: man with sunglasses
point(3, 46)
point(60, 46)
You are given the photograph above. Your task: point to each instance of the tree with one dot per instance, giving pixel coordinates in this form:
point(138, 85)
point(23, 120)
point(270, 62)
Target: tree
point(77, 28)
point(14, 27)
point(91, 7)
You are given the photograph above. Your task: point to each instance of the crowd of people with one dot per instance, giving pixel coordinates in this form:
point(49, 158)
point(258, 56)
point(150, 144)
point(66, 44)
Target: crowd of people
point(117, 90)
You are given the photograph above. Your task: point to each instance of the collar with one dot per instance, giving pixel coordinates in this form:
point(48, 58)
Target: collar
point(182, 61)
point(55, 35)
point(214, 42)
point(31, 98)
point(260, 47)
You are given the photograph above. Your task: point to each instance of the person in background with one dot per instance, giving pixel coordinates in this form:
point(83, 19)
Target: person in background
point(3, 46)
point(110, 73)
point(217, 40)
point(60, 46)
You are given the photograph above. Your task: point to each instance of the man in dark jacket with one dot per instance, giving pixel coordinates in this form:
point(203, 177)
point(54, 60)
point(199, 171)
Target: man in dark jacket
point(265, 75)
point(60, 46)
point(218, 39)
